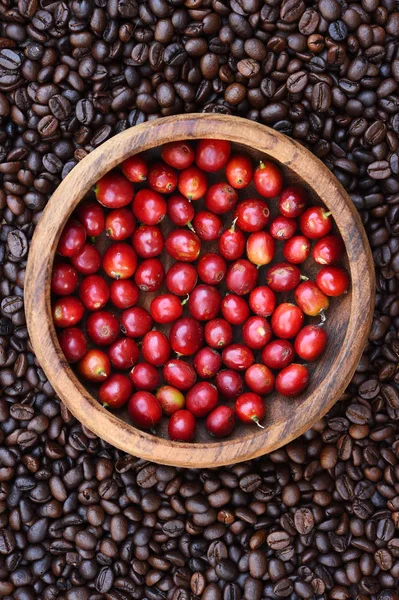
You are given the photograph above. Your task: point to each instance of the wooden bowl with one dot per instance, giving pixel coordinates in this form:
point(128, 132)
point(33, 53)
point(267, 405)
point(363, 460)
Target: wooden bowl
point(349, 317)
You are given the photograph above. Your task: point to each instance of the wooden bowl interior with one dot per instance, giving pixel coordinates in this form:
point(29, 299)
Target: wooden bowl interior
point(279, 408)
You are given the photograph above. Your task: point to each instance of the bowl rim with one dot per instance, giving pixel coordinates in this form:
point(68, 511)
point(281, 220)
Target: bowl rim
point(40, 262)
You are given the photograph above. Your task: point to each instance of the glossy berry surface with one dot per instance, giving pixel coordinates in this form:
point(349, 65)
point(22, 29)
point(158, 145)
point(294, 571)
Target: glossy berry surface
point(212, 155)
point(162, 178)
point(250, 408)
point(73, 343)
point(64, 279)
point(120, 224)
point(221, 421)
point(333, 281)
point(292, 380)
point(144, 409)
point(72, 239)
point(114, 190)
point(268, 179)
point(182, 426)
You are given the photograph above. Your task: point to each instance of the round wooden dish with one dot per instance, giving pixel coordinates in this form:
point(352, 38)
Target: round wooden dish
point(349, 317)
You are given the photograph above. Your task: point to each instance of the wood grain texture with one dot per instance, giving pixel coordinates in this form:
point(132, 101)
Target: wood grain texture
point(349, 317)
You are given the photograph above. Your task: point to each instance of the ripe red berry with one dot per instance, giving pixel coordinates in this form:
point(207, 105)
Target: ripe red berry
point(207, 362)
point(202, 398)
point(229, 383)
point(333, 281)
point(183, 245)
point(207, 225)
point(292, 202)
point(166, 308)
point(87, 260)
point(204, 302)
point(283, 277)
point(252, 215)
point(91, 215)
point(238, 357)
point(179, 374)
point(119, 261)
point(120, 224)
point(67, 311)
point(297, 249)
point(328, 250)
point(268, 179)
point(156, 348)
point(221, 421)
point(292, 380)
point(124, 353)
point(315, 222)
point(221, 198)
point(282, 228)
point(278, 354)
point(310, 342)
point(181, 278)
point(259, 379)
point(256, 332)
point(114, 190)
point(162, 178)
point(241, 277)
point(149, 275)
point(94, 292)
point(192, 183)
point(72, 239)
point(123, 293)
point(181, 426)
point(186, 336)
point(135, 322)
point(149, 207)
point(64, 279)
point(287, 320)
point(95, 366)
point(250, 408)
point(211, 268)
point(73, 343)
point(212, 155)
point(116, 391)
point(311, 299)
point(145, 410)
point(239, 171)
point(260, 248)
point(145, 377)
point(102, 327)
point(218, 333)
point(179, 155)
point(232, 243)
point(180, 210)
point(135, 168)
point(235, 309)
point(262, 301)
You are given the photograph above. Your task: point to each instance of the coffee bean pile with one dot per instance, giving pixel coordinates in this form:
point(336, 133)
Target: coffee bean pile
point(80, 520)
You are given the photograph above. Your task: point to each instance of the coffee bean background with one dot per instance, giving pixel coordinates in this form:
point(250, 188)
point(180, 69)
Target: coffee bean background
point(319, 518)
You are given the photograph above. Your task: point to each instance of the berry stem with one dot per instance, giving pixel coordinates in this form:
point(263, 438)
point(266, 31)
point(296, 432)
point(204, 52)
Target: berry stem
point(256, 420)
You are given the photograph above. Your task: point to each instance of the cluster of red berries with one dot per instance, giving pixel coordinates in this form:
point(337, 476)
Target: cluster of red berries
point(228, 311)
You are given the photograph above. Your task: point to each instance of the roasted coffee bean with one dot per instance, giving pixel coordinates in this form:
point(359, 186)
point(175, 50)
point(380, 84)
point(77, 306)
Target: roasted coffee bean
point(17, 243)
